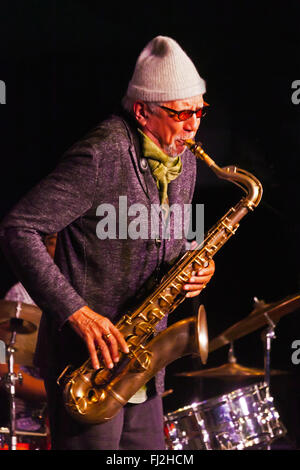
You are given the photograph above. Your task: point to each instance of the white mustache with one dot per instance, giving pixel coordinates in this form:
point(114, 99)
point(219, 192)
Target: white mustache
point(183, 139)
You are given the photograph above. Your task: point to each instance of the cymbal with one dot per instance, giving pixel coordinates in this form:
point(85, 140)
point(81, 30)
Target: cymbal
point(10, 309)
point(24, 319)
point(256, 320)
point(229, 370)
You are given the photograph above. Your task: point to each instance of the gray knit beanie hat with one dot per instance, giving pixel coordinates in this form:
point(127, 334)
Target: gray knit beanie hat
point(163, 72)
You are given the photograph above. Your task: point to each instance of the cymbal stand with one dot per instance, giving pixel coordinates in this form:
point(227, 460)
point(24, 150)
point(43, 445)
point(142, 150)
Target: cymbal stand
point(11, 379)
point(231, 356)
point(268, 335)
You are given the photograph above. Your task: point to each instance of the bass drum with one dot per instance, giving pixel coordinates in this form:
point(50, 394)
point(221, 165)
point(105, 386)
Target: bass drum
point(242, 419)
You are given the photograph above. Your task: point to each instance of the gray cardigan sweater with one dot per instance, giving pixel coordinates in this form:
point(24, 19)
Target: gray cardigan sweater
point(108, 274)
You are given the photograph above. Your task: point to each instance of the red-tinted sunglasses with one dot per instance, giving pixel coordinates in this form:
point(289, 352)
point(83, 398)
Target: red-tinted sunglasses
point(186, 113)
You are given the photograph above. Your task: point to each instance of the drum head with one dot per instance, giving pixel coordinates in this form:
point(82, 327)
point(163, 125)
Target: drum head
point(244, 418)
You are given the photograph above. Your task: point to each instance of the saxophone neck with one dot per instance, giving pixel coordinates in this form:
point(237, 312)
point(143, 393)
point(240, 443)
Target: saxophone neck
point(198, 151)
point(245, 180)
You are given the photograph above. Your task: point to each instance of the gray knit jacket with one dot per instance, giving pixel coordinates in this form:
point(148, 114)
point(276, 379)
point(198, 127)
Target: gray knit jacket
point(108, 275)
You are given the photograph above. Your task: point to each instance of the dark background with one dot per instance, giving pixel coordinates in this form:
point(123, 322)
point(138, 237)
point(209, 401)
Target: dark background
point(66, 65)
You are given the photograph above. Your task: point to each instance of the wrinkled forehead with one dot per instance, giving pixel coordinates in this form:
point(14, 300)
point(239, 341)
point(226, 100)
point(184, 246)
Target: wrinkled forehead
point(187, 103)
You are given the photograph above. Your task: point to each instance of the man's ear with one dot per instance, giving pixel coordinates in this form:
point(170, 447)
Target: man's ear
point(140, 112)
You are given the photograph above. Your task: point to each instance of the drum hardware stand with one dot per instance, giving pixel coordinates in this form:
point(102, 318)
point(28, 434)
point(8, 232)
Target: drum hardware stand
point(2, 361)
point(268, 335)
point(258, 303)
point(10, 381)
point(231, 356)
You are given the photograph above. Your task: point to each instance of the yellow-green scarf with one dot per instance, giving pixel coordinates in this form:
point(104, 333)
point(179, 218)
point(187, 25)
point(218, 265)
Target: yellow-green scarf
point(164, 168)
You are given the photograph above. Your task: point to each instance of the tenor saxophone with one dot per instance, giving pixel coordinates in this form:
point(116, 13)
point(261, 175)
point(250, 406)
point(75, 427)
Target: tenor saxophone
point(95, 396)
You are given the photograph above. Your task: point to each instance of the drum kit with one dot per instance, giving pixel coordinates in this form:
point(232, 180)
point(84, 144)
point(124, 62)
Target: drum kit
point(245, 418)
point(19, 324)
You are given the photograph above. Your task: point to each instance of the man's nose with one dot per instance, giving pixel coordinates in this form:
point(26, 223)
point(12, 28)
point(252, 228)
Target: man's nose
point(192, 123)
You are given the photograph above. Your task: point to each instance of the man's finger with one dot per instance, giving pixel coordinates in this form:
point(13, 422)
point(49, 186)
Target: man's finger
point(199, 280)
point(112, 342)
point(120, 338)
point(194, 287)
point(93, 353)
point(193, 294)
point(210, 269)
point(105, 354)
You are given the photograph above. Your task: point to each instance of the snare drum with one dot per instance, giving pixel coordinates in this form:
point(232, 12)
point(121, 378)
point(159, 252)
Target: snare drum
point(241, 419)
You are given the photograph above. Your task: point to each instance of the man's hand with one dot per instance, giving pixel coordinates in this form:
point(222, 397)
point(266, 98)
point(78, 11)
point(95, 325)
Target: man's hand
point(199, 280)
point(98, 331)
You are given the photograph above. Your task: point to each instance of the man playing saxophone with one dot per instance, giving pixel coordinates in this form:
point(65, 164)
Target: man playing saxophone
point(138, 153)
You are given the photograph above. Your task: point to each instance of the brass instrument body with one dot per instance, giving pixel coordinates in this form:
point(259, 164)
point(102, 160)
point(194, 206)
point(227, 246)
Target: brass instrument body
point(103, 393)
point(96, 396)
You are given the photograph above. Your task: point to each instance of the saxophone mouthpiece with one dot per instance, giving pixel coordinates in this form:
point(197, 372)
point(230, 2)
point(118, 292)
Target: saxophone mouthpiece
point(190, 143)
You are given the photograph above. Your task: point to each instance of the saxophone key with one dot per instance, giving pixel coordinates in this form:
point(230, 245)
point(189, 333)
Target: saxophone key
point(92, 395)
point(183, 277)
point(133, 341)
point(155, 314)
point(175, 288)
point(165, 300)
point(211, 250)
point(143, 360)
point(200, 263)
point(197, 265)
point(229, 228)
point(143, 328)
point(127, 319)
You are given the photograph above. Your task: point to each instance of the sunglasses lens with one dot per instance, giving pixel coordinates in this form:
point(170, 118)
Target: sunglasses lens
point(184, 115)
